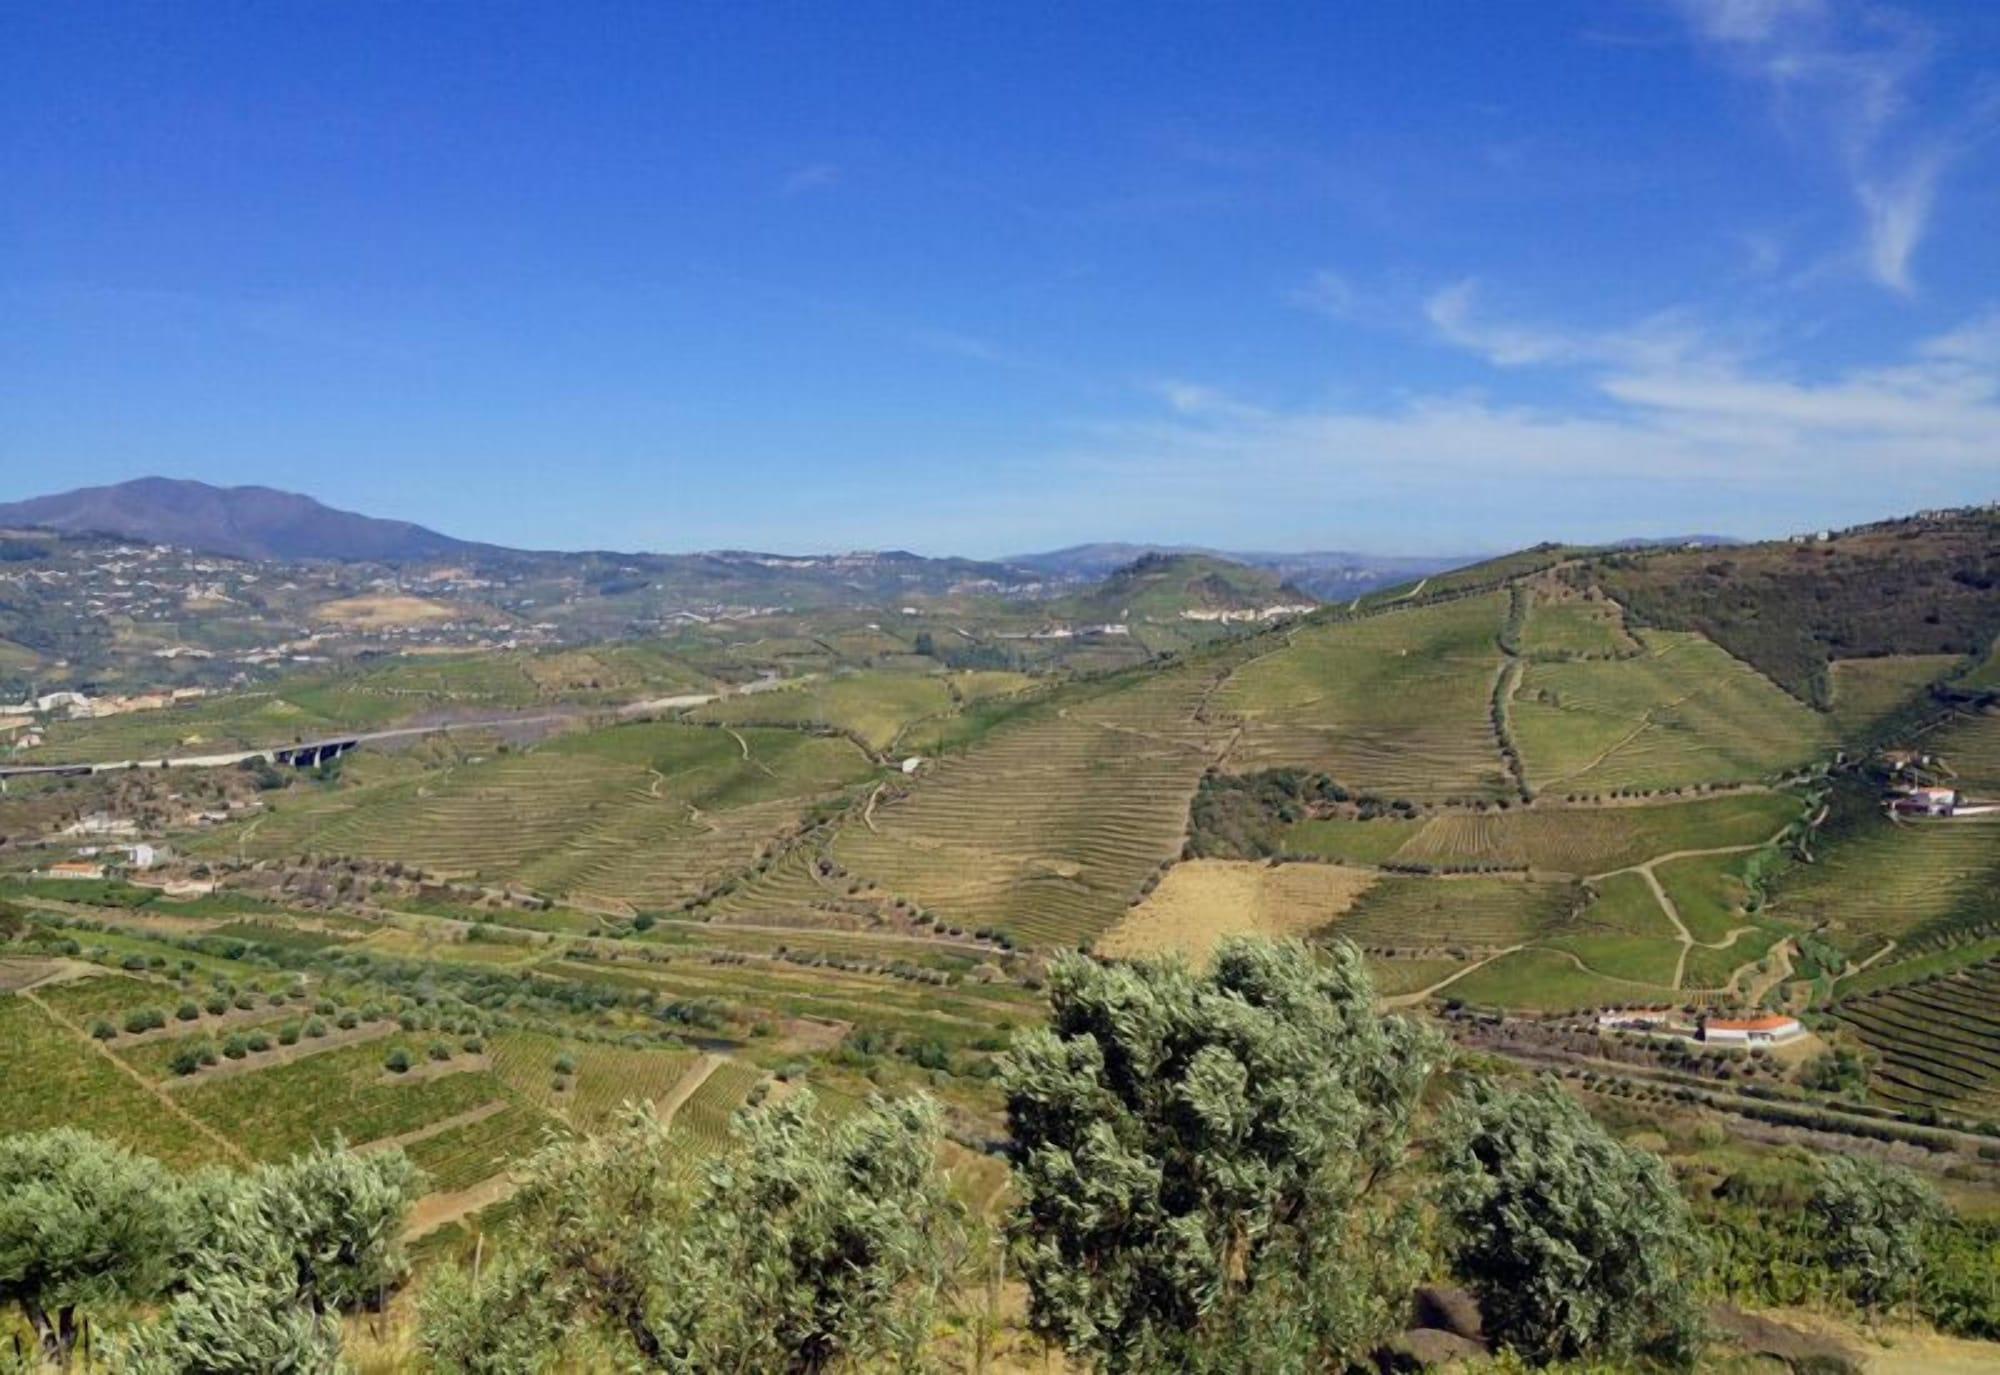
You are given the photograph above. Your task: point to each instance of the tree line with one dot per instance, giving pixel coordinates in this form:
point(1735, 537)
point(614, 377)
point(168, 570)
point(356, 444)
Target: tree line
point(1241, 1169)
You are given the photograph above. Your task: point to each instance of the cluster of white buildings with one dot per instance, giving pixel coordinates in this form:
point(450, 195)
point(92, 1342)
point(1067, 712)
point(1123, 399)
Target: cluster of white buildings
point(1769, 1030)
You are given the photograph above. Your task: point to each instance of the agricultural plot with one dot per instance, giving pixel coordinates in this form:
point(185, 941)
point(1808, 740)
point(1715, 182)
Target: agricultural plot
point(1683, 713)
point(279, 1111)
point(1374, 841)
point(643, 816)
point(1396, 704)
point(1714, 968)
point(1939, 1040)
point(1575, 629)
point(876, 707)
point(1867, 690)
point(1904, 882)
point(1556, 839)
point(603, 1079)
point(1970, 745)
point(703, 1121)
point(1551, 981)
point(53, 1077)
point(1400, 913)
point(1709, 893)
point(1203, 901)
point(1047, 827)
point(1396, 977)
point(107, 995)
point(771, 990)
point(463, 1154)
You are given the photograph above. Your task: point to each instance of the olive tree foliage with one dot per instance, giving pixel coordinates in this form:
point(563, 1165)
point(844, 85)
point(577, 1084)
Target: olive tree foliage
point(804, 1247)
point(1872, 1222)
point(271, 1259)
point(82, 1222)
point(1576, 1245)
point(1210, 1164)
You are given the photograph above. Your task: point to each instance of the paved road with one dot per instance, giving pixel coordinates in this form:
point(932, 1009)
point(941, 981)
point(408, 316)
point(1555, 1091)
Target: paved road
point(339, 744)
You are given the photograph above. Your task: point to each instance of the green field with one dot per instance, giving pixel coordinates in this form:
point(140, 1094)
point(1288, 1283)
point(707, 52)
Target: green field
point(1470, 913)
point(1867, 690)
point(1708, 891)
point(874, 706)
point(1970, 745)
point(1552, 838)
point(1683, 713)
point(1575, 629)
point(1907, 882)
point(278, 1111)
point(54, 1077)
point(1551, 981)
point(1396, 704)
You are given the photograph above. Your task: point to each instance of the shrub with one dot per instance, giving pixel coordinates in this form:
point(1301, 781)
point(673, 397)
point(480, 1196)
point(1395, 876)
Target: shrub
point(315, 1028)
point(236, 1047)
point(1576, 1246)
point(216, 1005)
point(397, 1061)
point(1872, 1222)
point(188, 1011)
point(1207, 1161)
point(438, 1050)
point(258, 1042)
point(288, 1034)
point(186, 1060)
point(347, 1021)
point(102, 1030)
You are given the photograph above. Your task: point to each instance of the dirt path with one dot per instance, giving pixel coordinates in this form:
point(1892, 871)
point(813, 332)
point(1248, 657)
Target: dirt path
point(684, 1089)
point(152, 1090)
point(436, 1211)
point(1756, 987)
point(1666, 903)
point(437, 1128)
point(1413, 999)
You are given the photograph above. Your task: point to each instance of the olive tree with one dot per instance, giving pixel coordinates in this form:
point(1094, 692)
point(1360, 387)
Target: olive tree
point(805, 1246)
point(1871, 1222)
point(1209, 1163)
point(82, 1222)
point(271, 1259)
point(1576, 1245)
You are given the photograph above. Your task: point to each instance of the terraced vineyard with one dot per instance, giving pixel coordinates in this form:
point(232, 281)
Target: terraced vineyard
point(1575, 628)
point(282, 1110)
point(1683, 713)
point(1469, 914)
point(1396, 704)
point(55, 1077)
point(1048, 827)
point(604, 1078)
point(1938, 1041)
point(643, 816)
point(1556, 839)
point(1907, 882)
point(1867, 690)
point(876, 707)
point(1971, 746)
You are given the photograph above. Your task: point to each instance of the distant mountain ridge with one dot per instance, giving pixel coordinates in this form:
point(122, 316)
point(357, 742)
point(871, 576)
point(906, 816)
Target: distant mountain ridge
point(241, 522)
point(1329, 575)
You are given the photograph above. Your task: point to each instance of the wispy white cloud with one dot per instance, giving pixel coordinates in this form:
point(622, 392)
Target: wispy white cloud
point(814, 176)
point(1656, 405)
point(1841, 75)
point(1328, 293)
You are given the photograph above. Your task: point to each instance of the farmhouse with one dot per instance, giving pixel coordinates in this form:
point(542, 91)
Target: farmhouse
point(1751, 1031)
point(1927, 802)
point(75, 868)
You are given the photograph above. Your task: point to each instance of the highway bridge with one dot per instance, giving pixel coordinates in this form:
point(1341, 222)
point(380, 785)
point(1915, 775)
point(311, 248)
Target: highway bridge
point(311, 754)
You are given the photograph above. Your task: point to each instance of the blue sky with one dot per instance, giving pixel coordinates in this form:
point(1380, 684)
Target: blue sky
point(985, 278)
